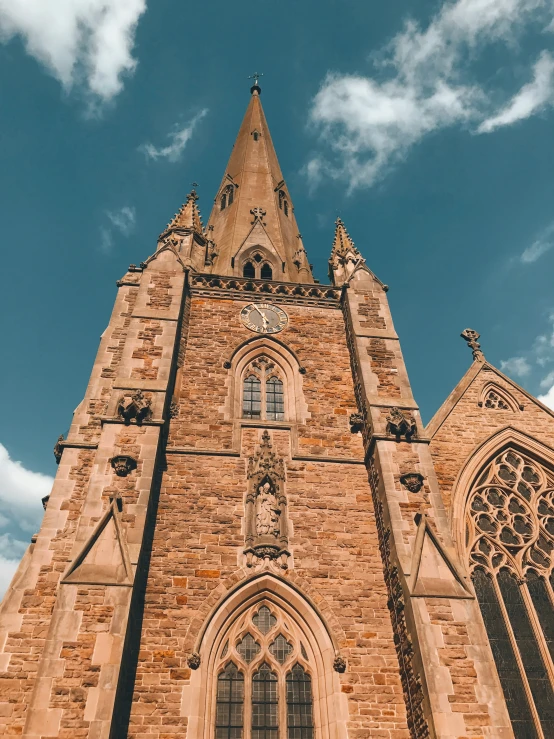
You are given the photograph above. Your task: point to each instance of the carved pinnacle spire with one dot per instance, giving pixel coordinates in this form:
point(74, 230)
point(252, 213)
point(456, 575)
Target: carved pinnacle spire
point(471, 337)
point(187, 217)
point(345, 257)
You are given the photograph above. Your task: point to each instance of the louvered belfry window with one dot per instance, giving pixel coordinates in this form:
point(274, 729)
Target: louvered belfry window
point(264, 683)
point(510, 536)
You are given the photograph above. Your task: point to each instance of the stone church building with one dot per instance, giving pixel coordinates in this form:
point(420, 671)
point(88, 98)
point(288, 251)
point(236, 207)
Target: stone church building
point(251, 534)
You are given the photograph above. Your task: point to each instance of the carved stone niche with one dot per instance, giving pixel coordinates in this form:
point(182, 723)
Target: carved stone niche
point(266, 508)
point(134, 407)
point(400, 423)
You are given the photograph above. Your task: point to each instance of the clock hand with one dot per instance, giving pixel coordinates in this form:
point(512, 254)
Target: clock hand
point(264, 319)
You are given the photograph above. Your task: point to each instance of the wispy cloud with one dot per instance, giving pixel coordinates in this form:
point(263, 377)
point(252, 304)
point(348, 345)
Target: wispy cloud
point(78, 41)
point(516, 366)
point(543, 243)
point(21, 511)
point(532, 98)
point(121, 221)
point(421, 84)
point(178, 139)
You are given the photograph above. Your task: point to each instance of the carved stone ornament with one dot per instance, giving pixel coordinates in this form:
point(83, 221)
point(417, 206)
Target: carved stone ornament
point(123, 464)
point(412, 481)
point(135, 407)
point(339, 664)
point(58, 448)
point(400, 423)
point(259, 214)
point(193, 661)
point(471, 336)
point(174, 409)
point(356, 421)
point(45, 501)
point(266, 519)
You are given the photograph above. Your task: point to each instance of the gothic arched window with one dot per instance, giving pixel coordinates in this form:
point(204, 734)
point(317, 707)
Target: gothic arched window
point(266, 273)
point(264, 685)
point(510, 537)
point(263, 393)
point(283, 202)
point(249, 270)
point(224, 201)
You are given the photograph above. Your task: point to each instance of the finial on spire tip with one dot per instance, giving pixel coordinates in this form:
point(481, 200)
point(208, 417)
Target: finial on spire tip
point(471, 336)
point(255, 87)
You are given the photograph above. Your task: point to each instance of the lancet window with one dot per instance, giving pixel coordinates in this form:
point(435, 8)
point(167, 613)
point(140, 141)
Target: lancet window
point(264, 678)
point(257, 266)
point(510, 537)
point(227, 197)
point(263, 391)
point(283, 202)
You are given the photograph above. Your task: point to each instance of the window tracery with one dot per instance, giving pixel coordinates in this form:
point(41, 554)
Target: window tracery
point(510, 537)
point(227, 197)
point(266, 693)
point(263, 391)
point(495, 398)
point(257, 266)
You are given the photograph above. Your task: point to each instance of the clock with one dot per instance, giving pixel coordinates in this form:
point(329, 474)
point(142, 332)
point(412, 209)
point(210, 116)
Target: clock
point(264, 318)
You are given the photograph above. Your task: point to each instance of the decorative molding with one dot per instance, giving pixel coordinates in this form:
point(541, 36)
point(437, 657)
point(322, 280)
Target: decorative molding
point(58, 448)
point(287, 293)
point(266, 507)
point(356, 422)
point(412, 481)
point(174, 409)
point(123, 464)
point(135, 407)
point(194, 661)
point(400, 423)
point(339, 664)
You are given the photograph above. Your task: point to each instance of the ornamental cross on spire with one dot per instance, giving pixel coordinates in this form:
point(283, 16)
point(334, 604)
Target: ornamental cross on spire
point(256, 76)
point(471, 336)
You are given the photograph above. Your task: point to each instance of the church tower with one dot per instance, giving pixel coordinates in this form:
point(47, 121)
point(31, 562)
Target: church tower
point(246, 537)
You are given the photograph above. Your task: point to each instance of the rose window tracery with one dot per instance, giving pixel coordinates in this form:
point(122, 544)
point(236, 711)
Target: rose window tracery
point(510, 539)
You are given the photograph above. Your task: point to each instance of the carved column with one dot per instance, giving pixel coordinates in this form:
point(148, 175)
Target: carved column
point(450, 682)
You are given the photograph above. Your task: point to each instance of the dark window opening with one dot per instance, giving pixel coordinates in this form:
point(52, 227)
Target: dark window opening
point(258, 258)
point(275, 400)
point(223, 201)
point(286, 207)
point(265, 718)
point(252, 398)
point(229, 704)
point(256, 135)
point(267, 272)
point(299, 704)
point(248, 270)
point(231, 195)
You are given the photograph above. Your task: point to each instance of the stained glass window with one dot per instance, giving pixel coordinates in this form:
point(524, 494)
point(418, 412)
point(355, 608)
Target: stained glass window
point(229, 703)
point(252, 398)
point(508, 523)
point(265, 704)
point(299, 704)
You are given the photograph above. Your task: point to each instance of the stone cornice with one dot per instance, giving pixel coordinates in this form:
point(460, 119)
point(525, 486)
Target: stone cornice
point(322, 296)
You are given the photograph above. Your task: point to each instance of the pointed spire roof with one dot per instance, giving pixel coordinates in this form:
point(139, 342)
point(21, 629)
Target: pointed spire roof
point(345, 257)
point(253, 207)
point(187, 217)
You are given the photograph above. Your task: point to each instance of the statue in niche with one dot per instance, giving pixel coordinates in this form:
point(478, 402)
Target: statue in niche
point(267, 511)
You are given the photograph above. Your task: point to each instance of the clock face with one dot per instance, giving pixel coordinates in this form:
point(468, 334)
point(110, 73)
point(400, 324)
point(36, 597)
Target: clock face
point(264, 318)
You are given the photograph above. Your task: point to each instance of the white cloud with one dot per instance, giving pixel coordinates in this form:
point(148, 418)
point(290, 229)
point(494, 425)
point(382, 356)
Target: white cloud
point(543, 243)
point(122, 220)
point(518, 366)
point(79, 41)
point(178, 138)
point(21, 491)
point(533, 97)
point(548, 397)
point(421, 85)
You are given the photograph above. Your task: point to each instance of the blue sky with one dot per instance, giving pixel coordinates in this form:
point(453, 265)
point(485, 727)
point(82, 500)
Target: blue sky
point(429, 131)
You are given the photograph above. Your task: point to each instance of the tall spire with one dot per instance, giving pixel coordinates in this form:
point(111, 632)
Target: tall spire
point(253, 220)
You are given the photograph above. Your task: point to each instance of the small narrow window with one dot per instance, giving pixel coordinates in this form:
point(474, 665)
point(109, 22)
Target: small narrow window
point(275, 401)
point(281, 199)
point(285, 207)
point(224, 201)
point(256, 135)
point(299, 704)
point(265, 719)
point(267, 272)
point(249, 270)
point(229, 703)
point(252, 398)
point(231, 195)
